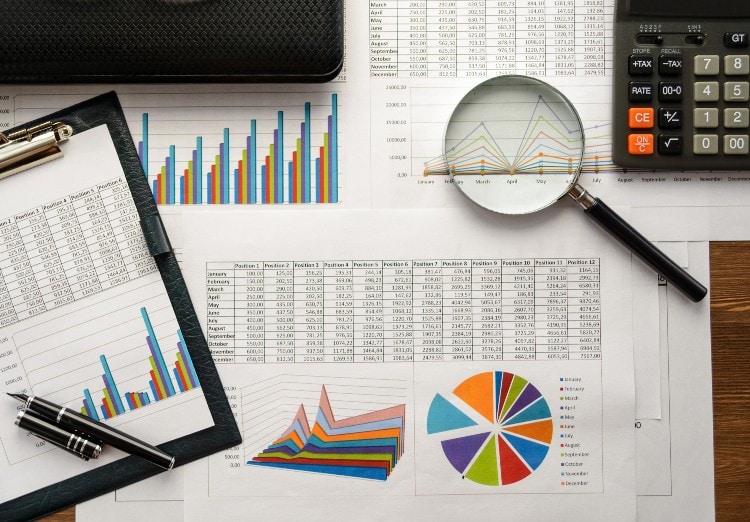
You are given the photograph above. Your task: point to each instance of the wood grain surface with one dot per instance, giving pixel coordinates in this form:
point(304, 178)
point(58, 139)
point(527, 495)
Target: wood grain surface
point(730, 348)
point(730, 340)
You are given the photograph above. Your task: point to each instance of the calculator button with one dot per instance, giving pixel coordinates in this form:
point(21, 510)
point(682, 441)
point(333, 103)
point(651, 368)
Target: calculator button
point(641, 117)
point(670, 118)
point(670, 65)
point(670, 91)
point(736, 145)
point(736, 91)
point(640, 92)
point(641, 65)
point(735, 39)
point(738, 118)
point(737, 65)
point(706, 91)
point(670, 145)
point(706, 118)
point(706, 65)
point(705, 144)
point(640, 144)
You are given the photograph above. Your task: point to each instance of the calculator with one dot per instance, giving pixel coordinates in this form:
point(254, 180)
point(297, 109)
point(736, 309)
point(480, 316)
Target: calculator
point(682, 84)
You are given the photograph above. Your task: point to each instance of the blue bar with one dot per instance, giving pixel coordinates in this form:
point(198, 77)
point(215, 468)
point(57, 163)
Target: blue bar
point(290, 174)
point(104, 412)
point(225, 168)
point(144, 140)
point(318, 193)
point(155, 188)
point(177, 378)
point(189, 367)
point(114, 394)
point(306, 153)
point(171, 175)
point(236, 185)
point(333, 149)
point(253, 164)
point(130, 402)
point(198, 169)
point(182, 190)
point(156, 352)
point(153, 390)
point(279, 192)
point(263, 184)
point(88, 403)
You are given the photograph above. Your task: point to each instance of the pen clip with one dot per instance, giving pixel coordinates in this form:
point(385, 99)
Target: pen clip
point(26, 148)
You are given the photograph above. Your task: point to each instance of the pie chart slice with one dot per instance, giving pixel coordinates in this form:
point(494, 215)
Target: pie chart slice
point(513, 441)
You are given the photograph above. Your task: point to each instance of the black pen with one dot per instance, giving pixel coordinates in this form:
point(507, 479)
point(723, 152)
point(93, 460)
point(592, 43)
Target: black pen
point(71, 442)
point(66, 417)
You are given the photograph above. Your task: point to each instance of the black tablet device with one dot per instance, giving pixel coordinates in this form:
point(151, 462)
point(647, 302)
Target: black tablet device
point(170, 40)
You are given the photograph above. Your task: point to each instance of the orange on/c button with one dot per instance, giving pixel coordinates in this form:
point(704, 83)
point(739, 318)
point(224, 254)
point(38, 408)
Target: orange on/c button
point(641, 144)
point(641, 117)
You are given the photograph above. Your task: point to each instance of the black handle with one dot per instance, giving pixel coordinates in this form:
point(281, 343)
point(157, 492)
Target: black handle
point(649, 254)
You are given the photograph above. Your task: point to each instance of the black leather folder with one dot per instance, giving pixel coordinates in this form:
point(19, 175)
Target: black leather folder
point(170, 40)
point(106, 110)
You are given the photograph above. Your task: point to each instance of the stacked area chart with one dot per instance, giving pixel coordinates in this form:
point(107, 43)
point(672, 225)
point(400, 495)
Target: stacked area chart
point(495, 429)
point(364, 446)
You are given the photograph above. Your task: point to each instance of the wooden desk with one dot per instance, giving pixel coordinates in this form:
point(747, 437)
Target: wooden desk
point(730, 345)
point(730, 339)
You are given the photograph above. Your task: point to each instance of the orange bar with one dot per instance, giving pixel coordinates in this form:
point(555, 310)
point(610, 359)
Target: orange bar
point(181, 373)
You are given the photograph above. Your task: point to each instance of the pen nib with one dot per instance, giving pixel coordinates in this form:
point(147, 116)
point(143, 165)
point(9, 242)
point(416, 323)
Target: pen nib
point(18, 396)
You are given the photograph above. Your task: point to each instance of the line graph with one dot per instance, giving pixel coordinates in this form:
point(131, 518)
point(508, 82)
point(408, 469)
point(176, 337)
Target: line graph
point(510, 126)
point(480, 140)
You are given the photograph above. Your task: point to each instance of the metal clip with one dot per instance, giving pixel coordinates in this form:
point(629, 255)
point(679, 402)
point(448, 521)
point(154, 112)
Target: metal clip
point(27, 148)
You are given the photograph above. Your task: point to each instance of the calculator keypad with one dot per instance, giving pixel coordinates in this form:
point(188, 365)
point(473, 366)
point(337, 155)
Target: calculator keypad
point(682, 104)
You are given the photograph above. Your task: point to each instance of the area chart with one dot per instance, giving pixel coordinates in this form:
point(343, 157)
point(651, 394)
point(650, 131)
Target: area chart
point(364, 446)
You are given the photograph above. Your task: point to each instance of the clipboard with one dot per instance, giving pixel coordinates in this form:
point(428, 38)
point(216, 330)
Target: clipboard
point(171, 40)
point(42, 141)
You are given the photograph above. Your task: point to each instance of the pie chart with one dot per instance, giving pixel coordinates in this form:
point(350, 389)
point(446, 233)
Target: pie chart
point(495, 429)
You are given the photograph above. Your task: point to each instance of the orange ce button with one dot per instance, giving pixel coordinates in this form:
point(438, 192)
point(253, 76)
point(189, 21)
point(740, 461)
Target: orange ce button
point(641, 117)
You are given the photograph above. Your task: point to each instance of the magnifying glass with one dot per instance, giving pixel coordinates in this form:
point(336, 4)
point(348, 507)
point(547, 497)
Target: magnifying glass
point(515, 145)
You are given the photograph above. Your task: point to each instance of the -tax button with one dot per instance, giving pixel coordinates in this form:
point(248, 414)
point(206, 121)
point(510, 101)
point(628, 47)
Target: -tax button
point(640, 144)
point(641, 117)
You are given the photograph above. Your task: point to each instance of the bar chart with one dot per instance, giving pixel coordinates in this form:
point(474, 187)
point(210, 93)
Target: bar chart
point(161, 385)
point(273, 157)
point(129, 353)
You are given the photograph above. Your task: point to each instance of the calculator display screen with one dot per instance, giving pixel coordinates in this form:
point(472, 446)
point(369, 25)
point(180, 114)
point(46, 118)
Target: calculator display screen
point(691, 8)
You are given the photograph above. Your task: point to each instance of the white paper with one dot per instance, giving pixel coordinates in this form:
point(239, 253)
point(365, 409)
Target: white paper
point(688, 405)
point(267, 396)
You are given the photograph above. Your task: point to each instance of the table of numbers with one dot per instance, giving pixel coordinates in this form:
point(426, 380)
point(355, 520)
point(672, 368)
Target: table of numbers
point(477, 38)
point(70, 248)
point(415, 310)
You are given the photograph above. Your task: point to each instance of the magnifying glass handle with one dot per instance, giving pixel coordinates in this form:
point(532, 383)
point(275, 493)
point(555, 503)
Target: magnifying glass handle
point(597, 210)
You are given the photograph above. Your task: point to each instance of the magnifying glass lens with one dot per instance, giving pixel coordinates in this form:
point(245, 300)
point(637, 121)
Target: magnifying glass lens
point(514, 145)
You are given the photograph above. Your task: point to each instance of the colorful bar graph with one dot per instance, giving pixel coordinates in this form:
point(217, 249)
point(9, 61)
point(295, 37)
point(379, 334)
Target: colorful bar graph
point(162, 384)
point(255, 173)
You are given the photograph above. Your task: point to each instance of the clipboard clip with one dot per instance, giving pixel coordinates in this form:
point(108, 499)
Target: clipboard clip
point(29, 147)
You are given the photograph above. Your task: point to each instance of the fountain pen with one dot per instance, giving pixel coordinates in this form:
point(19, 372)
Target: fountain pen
point(71, 420)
